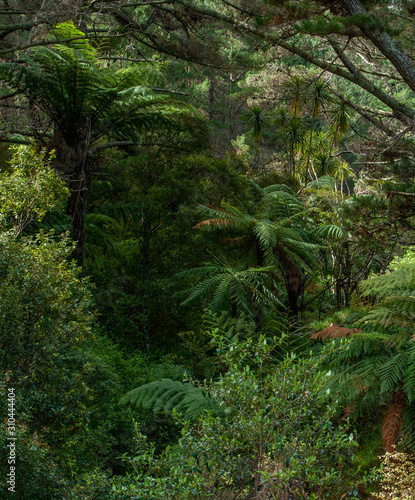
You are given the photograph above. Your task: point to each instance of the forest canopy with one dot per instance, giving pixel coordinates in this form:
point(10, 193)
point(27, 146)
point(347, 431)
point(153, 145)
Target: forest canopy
point(207, 264)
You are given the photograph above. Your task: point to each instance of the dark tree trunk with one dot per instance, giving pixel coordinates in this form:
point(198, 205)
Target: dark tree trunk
point(145, 268)
point(76, 208)
point(79, 184)
point(292, 299)
point(293, 282)
point(234, 308)
point(259, 319)
point(73, 166)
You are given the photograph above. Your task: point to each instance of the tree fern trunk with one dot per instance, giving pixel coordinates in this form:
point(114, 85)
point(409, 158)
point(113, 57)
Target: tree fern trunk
point(293, 281)
point(74, 167)
point(258, 308)
point(292, 300)
point(392, 421)
point(76, 208)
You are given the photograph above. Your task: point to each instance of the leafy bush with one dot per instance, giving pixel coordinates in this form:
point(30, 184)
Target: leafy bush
point(30, 190)
point(397, 477)
point(37, 473)
point(65, 394)
point(278, 438)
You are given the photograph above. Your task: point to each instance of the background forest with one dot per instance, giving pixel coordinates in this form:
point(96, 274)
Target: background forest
point(207, 264)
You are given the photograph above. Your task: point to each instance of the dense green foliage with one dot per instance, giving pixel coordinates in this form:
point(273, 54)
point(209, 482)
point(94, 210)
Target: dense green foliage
point(206, 249)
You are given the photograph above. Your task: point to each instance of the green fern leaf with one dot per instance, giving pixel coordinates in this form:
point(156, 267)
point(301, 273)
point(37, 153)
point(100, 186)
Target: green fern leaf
point(166, 396)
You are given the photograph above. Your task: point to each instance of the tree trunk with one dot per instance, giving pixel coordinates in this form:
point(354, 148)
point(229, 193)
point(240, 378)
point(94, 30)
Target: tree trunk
point(76, 208)
point(293, 282)
point(384, 42)
point(73, 166)
point(145, 268)
point(292, 299)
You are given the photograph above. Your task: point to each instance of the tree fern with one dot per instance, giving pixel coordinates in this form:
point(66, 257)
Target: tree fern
point(223, 287)
point(88, 104)
point(166, 396)
point(273, 232)
point(376, 368)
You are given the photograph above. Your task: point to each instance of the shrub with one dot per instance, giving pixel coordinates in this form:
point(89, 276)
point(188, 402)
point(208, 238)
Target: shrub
point(397, 477)
point(277, 436)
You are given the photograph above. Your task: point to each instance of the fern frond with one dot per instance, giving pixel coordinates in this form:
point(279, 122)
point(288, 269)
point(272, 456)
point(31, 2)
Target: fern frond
point(330, 231)
point(217, 223)
point(278, 188)
point(323, 182)
point(409, 378)
point(393, 371)
point(166, 396)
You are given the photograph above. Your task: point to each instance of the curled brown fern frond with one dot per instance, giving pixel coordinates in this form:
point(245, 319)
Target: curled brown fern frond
point(392, 421)
point(334, 332)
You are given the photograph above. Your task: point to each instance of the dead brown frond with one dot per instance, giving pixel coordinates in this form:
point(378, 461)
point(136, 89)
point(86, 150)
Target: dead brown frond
point(392, 421)
point(213, 222)
point(348, 410)
point(334, 332)
point(218, 209)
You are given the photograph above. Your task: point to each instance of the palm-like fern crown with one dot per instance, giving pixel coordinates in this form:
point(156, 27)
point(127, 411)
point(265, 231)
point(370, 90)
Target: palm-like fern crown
point(376, 368)
point(225, 285)
point(68, 83)
point(274, 232)
point(278, 220)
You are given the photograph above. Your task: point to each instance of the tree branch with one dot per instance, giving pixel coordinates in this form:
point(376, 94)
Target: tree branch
point(384, 42)
point(401, 111)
